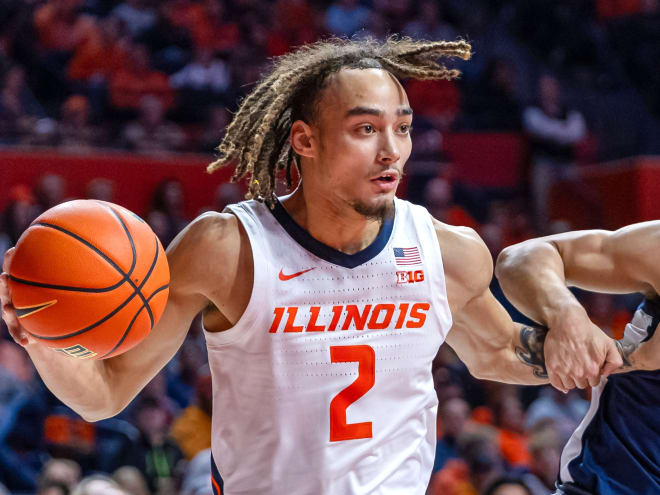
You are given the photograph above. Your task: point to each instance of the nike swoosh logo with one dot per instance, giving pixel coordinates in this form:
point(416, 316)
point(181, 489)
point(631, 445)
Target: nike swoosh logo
point(24, 311)
point(284, 277)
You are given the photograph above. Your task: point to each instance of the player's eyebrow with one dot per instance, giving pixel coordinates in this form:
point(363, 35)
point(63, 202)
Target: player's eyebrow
point(360, 110)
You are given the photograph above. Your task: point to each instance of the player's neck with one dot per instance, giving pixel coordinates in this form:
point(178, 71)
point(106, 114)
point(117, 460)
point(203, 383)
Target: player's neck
point(336, 225)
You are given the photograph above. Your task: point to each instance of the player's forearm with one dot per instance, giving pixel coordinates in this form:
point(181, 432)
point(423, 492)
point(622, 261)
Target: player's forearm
point(531, 275)
point(521, 361)
point(80, 384)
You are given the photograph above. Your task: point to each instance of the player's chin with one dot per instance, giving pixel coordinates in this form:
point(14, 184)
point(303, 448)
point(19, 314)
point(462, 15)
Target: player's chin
point(374, 205)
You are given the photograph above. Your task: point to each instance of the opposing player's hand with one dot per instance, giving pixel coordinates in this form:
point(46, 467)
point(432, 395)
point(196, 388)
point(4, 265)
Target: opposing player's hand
point(17, 332)
point(577, 352)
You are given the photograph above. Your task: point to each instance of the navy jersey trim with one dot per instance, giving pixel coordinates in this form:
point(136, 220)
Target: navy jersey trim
point(217, 484)
point(327, 253)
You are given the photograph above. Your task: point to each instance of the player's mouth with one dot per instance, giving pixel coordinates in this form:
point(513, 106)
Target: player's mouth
point(386, 181)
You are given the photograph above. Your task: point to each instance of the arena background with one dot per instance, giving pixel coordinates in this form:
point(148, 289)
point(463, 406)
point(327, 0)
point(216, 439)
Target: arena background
point(125, 101)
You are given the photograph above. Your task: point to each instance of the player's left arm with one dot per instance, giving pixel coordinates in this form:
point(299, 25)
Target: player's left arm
point(483, 335)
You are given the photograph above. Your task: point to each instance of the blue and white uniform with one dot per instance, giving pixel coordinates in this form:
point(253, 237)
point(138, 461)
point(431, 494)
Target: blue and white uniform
point(616, 448)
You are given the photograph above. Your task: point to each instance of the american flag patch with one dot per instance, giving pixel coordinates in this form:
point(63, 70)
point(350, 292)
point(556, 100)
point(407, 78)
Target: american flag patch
point(407, 256)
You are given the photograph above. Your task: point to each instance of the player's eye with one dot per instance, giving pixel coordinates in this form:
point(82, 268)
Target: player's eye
point(405, 128)
point(367, 129)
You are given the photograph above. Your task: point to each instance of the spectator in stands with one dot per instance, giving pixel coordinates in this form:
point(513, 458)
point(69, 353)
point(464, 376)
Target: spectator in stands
point(101, 189)
point(298, 19)
point(429, 23)
point(508, 417)
point(192, 428)
point(151, 133)
point(554, 131)
point(137, 15)
point(197, 477)
point(207, 22)
point(18, 215)
point(50, 190)
point(545, 449)
point(480, 464)
point(19, 109)
point(101, 55)
point(131, 480)
point(168, 199)
point(52, 489)
point(438, 103)
point(98, 484)
point(509, 486)
point(605, 314)
point(138, 79)
point(75, 133)
point(159, 223)
point(61, 473)
point(565, 410)
point(21, 420)
point(205, 73)
point(438, 199)
point(227, 193)
point(157, 456)
point(346, 17)
point(202, 82)
point(216, 124)
point(61, 28)
point(453, 416)
point(494, 100)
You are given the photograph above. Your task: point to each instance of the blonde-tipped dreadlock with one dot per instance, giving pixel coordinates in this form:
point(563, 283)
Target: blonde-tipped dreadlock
point(257, 139)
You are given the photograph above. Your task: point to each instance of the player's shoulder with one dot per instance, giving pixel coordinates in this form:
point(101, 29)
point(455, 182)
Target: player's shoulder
point(206, 248)
point(465, 257)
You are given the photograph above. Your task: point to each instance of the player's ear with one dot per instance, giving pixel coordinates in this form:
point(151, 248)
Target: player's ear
point(301, 139)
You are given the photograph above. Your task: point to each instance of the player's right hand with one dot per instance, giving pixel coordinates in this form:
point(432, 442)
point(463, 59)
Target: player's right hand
point(17, 332)
point(577, 352)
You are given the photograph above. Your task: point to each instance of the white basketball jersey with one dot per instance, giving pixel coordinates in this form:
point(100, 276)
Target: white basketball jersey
point(324, 385)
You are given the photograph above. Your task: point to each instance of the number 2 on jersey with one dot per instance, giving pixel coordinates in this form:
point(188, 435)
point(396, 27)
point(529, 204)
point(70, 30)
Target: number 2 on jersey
point(365, 356)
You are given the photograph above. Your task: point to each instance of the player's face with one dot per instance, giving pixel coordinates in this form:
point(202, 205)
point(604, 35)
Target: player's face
point(363, 137)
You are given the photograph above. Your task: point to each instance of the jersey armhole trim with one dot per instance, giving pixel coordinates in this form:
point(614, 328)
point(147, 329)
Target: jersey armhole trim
point(260, 284)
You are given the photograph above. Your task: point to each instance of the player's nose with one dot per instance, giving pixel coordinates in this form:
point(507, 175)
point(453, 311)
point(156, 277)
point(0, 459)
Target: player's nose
point(388, 151)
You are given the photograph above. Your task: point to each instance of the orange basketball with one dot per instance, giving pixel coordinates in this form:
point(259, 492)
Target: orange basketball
point(89, 278)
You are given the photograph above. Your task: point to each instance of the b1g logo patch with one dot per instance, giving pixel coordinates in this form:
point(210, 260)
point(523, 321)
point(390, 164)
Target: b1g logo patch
point(77, 351)
point(410, 277)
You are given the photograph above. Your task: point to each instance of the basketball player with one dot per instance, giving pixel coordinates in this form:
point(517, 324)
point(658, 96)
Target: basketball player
point(616, 448)
point(323, 309)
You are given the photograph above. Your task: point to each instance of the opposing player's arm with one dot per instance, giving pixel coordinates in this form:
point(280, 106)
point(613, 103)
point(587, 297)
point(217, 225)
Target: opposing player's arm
point(535, 276)
point(100, 389)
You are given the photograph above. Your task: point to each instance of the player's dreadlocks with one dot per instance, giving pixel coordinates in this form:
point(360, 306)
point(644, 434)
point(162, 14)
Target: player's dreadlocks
point(257, 139)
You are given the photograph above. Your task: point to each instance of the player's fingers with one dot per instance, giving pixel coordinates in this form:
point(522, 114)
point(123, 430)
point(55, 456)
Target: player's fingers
point(613, 360)
point(556, 382)
point(7, 260)
point(594, 381)
point(14, 327)
point(581, 382)
point(5, 296)
point(567, 382)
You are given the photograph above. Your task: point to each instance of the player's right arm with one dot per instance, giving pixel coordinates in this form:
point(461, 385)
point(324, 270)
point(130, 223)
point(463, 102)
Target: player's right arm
point(100, 389)
point(535, 276)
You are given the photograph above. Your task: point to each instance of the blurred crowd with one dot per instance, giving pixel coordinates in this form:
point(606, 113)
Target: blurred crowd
point(153, 76)
point(576, 77)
